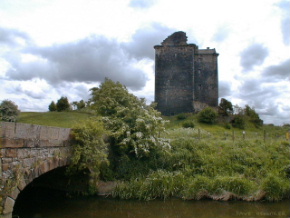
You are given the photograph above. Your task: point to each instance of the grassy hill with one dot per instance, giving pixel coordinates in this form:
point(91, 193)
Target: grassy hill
point(70, 118)
point(58, 119)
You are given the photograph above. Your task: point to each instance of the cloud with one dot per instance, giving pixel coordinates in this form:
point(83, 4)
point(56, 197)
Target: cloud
point(224, 89)
point(221, 34)
point(143, 41)
point(90, 59)
point(87, 60)
point(13, 37)
point(141, 3)
point(285, 22)
point(253, 56)
point(277, 72)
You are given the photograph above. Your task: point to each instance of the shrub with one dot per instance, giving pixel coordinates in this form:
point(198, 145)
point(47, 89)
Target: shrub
point(207, 115)
point(63, 104)
point(181, 116)
point(237, 185)
point(89, 150)
point(188, 124)
point(52, 106)
point(276, 188)
point(8, 111)
point(239, 121)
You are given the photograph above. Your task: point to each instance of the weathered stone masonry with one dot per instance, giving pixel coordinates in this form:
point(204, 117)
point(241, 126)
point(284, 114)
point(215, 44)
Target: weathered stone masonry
point(186, 78)
point(28, 151)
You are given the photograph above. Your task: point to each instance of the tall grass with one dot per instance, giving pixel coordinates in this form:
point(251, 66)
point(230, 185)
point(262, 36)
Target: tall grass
point(203, 167)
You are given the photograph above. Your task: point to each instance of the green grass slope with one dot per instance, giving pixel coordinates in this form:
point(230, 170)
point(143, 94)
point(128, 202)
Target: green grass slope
point(58, 119)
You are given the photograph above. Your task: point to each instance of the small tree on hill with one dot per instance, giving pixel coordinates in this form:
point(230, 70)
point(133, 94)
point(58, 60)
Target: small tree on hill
point(225, 108)
point(63, 104)
point(52, 106)
point(254, 117)
point(207, 115)
point(134, 126)
point(8, 111)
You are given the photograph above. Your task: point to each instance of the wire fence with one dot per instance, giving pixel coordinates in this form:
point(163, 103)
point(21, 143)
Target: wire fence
point(232, 135)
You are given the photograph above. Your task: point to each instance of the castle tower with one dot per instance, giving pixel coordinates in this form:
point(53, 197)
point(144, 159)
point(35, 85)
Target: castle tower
point(184, 75)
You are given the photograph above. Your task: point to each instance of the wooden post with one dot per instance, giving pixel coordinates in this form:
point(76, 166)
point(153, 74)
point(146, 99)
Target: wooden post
point(199, 134)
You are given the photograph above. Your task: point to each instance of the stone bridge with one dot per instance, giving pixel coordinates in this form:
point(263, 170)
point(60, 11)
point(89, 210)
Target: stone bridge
point(28, 151)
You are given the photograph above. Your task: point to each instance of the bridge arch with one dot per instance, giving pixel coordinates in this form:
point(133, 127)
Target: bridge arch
point(27, 151)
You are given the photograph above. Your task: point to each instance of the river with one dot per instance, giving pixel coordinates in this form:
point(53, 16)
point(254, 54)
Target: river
point(100, 207)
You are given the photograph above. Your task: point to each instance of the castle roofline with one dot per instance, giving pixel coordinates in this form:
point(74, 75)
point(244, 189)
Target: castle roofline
point(207, 51)
point(186, 45)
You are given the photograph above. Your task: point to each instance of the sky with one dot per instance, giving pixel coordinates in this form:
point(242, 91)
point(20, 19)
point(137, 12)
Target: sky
point(55, 48)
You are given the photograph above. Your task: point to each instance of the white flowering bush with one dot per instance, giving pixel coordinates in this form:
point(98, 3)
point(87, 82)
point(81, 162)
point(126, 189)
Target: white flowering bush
point(135, 127)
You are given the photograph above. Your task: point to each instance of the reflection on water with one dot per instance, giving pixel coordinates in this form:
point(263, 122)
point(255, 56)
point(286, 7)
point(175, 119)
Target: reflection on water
point(172, 208)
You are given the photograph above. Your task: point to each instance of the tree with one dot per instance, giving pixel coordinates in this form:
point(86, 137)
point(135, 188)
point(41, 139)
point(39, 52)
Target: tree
point(239, 121)
point(89, 149)
point(254, 117)
point(63, 104)
point(52, 106)
point(207, 115)
point(79, 105)
point(8, 111)
point(134, 126)
point(225, 108)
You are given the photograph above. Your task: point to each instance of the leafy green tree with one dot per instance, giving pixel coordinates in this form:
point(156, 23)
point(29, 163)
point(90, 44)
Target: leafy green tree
point(134, 126)
point(52, 106)
point(207, 115)
point(78, 105)
point(63, 104)
point(239, 121)
point(8, 111)
point(254, 117)
point(225, 108)
point(90, 150)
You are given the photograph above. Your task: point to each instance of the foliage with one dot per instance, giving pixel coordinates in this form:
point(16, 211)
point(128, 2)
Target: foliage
point(188, 124)
point(225, 108)
point(8, 111)
point(181, 116)
point(158, 184)
point(79, 105)
point(63, 104)
point(254, 117)
point(207, 115)
point(238, 121)
point(276, 188)
point(52, 106)
point(89, 147)
point(134, 127)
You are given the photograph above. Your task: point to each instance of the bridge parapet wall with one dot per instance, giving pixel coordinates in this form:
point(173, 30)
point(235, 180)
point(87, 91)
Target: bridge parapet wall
point(26, 152)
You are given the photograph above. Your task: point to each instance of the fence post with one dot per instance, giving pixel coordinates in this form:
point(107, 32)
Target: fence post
point(264, 135)
point(199, 134)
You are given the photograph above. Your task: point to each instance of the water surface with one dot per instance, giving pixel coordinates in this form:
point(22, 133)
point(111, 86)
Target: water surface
point(97, 207)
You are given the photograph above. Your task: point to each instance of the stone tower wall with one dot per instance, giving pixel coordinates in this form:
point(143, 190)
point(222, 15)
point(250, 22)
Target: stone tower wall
point(184, 75)
point(174, 78)
point(206, 77)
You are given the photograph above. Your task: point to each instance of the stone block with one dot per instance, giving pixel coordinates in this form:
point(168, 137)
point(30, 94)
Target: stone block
point(12, 143)
point(11, 153)
point(29, 162)
point(23, 153)
point(8, 205)
point(5, 167)
point(14, 193)
point(21, 184)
